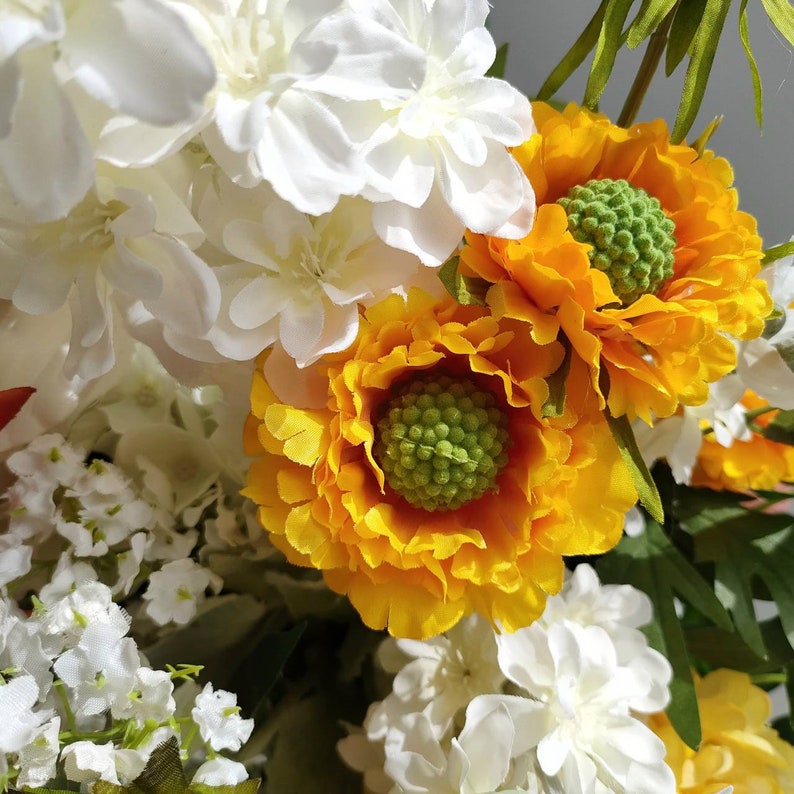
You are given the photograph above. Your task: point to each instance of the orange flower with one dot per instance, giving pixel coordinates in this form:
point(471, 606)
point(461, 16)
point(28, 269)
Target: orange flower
point(756, 463)
point(738, 746)
point(329, 478)
point(673, 267)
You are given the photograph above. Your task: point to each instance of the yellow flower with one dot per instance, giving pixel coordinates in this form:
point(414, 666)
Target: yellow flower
point(753, 464)
point(350, 487)
point(638, 254)
point(738, 747)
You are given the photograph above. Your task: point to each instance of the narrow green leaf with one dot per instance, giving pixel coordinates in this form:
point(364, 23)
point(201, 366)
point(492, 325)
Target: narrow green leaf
point(700, 143)
point(685, 25)
point(581, 48)
point(781, 428)
point(464, 289)
point(499, 65)
point(653, 564)
point(609, 42)
point(778, 252)
point(781, 12)
point(758, 90)
point(649, 17)
point(704, 47)
point(718, 648)
point(555, 403)
point(163, 773)
point(630, 452)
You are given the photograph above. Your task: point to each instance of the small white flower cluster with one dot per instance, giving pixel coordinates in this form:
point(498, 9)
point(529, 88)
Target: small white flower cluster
point(77, 698)
point(211, 177)
point(555, 707)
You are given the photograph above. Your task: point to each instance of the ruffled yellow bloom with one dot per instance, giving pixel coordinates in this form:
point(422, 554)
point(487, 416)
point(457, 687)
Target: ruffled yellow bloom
point(662, 342)
point(753, 464)
point(738, 747)
point(325, 496)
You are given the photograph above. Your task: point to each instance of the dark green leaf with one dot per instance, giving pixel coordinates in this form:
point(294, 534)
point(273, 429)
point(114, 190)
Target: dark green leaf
point(718, 648)
point(704, 47)
point(609, 42)
point(651, 563)
point(555, 403)
point(650, 16)
point(758, 91)
point(630, 452)
point(781, 12)
point(163, 773)
point(246, 787)
point(464, 289)
point(781, 428)
point(571, 61)
point(790, 695)
point(499, 64)
point(685, 24)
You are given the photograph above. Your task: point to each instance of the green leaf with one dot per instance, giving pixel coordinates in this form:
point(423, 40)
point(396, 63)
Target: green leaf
point(758, 90)
point(781, 12)
point(499, 64)
point(163, 773)
point(682, 32)
point(781, 428)
point(778, 252)
point(704, 47)
point(464, 289)
point(653, 564)
point(609, 42)
point(650, 16)
point(630, 452)
point(555, 402)
point(250, 786)
point(700, 143)
point(571, 61)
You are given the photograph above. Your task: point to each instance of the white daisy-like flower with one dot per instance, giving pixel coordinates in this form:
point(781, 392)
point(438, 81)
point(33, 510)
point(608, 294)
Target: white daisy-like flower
point(294, 278)
point(436, 160)
point(176, 590)
point(218, 717)
point(128, 241)
point(136, 57)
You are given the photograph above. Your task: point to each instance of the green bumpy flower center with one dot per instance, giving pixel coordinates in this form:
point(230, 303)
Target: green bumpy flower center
point(441, 442)
point(632, 239)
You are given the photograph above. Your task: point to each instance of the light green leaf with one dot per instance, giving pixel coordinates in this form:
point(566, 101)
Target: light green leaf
point(464, 289)
point(555, 403)
point(609, 42)
point(682, 32)
point(758, 90)
point(571, 61)
point(778, 252)
point(650, 16)
point(704, 47)
point(630, 452)
point(781, 12)
point(250, 786)
point(651, 563)
point(499, 64)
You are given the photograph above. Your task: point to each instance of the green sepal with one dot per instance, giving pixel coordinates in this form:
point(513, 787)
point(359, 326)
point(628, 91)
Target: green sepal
point(609, 42)
point(630, 452)
point(778, 252)
point(648, 19)
point(466, 290)
point(755, 75)
point(555, 402)
point(499, 65)
point(574, 58)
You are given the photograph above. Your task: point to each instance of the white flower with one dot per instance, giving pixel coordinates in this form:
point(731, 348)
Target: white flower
point(175, 591)
point(135, 56)
point(436, 160)
point(21, 648)
point(18, 720)
point(150, 697)
point(128, 241)
point(220, 771)
point(219, 720)
point(85, 762)
point(15, 558)
point(37, 759)
point(297, 280)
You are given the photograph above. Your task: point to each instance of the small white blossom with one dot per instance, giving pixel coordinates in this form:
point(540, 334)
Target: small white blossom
point(218, 717)
point(175, 591)
point(37, 759)
point(85, 762)
point(151, 697)
point(15, 558)
point(220, 771)
point(18, 719)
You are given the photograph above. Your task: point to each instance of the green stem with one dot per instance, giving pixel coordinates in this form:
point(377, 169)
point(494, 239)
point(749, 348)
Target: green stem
point(650, 62)
point(769, 678)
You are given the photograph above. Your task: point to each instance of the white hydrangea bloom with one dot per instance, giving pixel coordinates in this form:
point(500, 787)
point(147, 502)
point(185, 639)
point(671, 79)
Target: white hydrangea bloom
point(85, 762)
point(175, 591)
point(294, 278)
point(218, 717)
point(436, 160)
point(220, 771)
point(128, 241)
point(37, 759)
point(137, 57)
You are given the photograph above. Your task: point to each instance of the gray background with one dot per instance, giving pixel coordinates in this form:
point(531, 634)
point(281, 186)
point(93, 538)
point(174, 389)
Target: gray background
point(541, 31)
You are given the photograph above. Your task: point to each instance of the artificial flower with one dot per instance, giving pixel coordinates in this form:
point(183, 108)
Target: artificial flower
point(738, 748)
point(176, 590)
point(85, 762)
point(11, 402)
point(639, 256)
point(135, 57)
point(218, 716)
point(344, 485)
point(37, 759)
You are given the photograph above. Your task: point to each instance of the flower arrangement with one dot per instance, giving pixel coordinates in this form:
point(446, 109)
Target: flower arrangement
point(367, 426)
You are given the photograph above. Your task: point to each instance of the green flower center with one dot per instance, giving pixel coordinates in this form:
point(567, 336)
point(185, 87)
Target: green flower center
point(441, 442)
point(632, 239)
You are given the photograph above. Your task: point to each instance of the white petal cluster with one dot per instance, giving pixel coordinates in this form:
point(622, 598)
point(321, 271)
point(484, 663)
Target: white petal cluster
point(558, 708)
point(218, 717)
